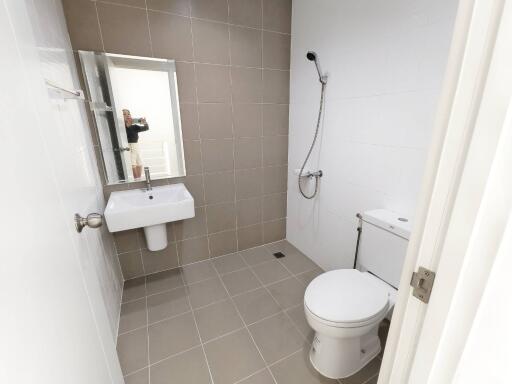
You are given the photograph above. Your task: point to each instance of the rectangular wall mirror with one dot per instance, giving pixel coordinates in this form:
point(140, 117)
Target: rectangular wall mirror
point(135, 105)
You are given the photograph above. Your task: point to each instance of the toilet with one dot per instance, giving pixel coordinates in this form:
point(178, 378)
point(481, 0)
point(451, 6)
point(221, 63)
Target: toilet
point(345, 306)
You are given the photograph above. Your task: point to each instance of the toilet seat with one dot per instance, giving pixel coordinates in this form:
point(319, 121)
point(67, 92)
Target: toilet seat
point(346, 298)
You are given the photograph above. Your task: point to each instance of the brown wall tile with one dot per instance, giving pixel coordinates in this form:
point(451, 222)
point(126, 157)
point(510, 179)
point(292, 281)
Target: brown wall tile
point(210, 9)
point(248, 152)
point(215, 121)
point(192, 250)
point(277, 15)
point(126, 241)
point(247, 120)
point(234, 114)
point(248, 212)
point(221, 217)
point(213, 84)
point(211, 42)
point(131, 264)
point(276, 86)
point(189, 121)
point(245, 12)
point(275, 150)
point(180, 7)
point(217, 155)
point(274, 206)
point(249, 183)
point(194, 227)
point(219, 187)
point(246, 48)
point(82, 23)
point(275, 119)
point(171, 36)
point(275, 179)
point(276, 53)
point(160, 260)
point(249, 237)
point(185, 74)
point(193, 162)
point(247, 85)
point(274, 230)
point(124, 29)
point(222, 243)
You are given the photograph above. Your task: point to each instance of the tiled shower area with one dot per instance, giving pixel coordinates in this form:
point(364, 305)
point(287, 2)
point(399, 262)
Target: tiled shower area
point(237, 318)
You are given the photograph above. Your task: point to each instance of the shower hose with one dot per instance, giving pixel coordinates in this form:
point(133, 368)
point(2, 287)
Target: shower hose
point(317, 175)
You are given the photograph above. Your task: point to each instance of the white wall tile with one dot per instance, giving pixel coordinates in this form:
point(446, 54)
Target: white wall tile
point(386, 63)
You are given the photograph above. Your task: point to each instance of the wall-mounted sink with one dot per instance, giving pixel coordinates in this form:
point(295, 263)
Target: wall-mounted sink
point(139, 208)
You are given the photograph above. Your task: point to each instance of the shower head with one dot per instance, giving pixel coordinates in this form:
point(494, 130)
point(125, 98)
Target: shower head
point(312, 56)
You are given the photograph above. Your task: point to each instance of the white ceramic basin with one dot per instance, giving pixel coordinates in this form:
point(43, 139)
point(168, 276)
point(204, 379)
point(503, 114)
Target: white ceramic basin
point(138, 208)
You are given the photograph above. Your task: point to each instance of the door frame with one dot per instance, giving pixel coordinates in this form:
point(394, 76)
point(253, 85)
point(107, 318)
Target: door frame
point(453, 180)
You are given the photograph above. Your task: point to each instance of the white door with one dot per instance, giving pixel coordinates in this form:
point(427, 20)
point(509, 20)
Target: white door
point(466, 204)
point(52, 329)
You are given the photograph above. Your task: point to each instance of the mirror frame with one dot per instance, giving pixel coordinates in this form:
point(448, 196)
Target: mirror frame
point(134, 62)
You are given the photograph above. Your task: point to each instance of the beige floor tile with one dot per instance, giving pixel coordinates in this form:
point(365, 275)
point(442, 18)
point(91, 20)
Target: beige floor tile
point(134, 289)
point(133, 315)
point(276, 337)
point(186, 368)
point(229, 263)
point(270, 272)
point(194, 273)
point(172, 336)
point(288, 293)
point(254, 256)
point(307, 277)
point(163, 281)
point(297, 263)
point(233, 357)
point(299, 319)
point(256, 305)
point(206, 292)
point(240, 281)
point(262, 377)
point(167, 304)
point(217, 319)
point(140, 377)
point(371, 369)
point(297, 369)
point(132, 349)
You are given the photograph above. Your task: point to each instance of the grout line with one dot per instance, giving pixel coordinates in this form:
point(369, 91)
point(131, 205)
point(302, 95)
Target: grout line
point(211, 258)
point(284, 310)
point(103, 46)
point(201, 154)
point(245, 324)
point(200, 340)
point(230, 59)
point(149, 28)
point(204, 193)
point(147, 329)
point(189, 16)
point(229, 298)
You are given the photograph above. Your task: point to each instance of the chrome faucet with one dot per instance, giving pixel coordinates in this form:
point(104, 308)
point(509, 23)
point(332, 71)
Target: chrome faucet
point(148, 179)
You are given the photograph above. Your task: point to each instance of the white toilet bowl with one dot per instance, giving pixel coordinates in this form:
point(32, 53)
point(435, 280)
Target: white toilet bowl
point(345, 307)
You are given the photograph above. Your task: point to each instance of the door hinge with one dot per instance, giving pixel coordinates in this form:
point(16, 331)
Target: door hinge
point(422, 283)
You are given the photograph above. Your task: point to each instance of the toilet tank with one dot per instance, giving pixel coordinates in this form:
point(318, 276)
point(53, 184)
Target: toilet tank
point(383, 244)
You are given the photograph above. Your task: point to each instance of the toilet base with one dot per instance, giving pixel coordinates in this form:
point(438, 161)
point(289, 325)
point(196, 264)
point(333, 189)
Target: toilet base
point(337, 358)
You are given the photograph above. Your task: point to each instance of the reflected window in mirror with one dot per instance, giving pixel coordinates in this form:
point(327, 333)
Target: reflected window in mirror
point(135, 105)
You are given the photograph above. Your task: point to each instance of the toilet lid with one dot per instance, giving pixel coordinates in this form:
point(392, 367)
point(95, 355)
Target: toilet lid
point(345, 296)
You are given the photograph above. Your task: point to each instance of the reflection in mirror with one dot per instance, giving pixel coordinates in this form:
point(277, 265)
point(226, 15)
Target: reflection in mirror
point(135, 105)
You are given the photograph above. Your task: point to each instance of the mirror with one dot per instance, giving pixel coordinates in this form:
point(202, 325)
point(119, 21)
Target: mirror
point(135, 105)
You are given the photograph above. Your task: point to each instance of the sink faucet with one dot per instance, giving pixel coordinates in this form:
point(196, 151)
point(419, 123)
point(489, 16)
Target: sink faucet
point(148, 179)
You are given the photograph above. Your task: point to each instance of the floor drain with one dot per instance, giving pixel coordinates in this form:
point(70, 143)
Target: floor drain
point(278, 255)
